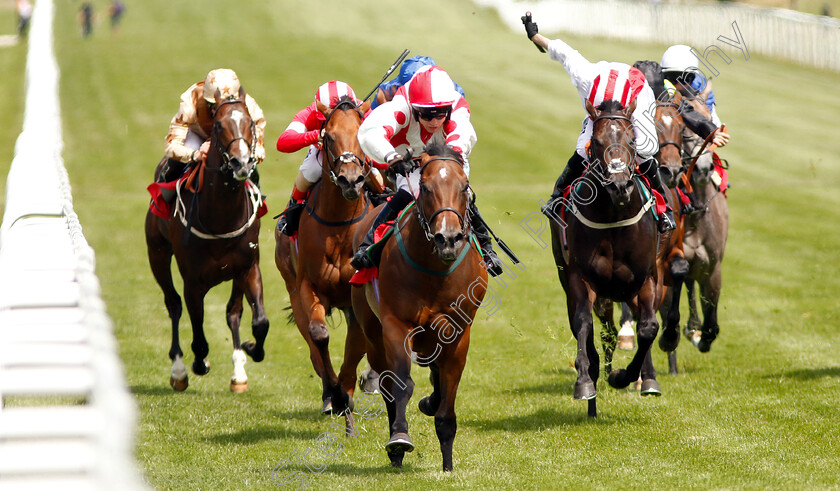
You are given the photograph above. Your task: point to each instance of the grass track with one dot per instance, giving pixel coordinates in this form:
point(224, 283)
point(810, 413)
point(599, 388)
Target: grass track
point(758, 411)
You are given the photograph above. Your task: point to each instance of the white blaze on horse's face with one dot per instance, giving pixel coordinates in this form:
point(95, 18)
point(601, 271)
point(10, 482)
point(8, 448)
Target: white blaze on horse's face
point(237, 116)
point(667, 120)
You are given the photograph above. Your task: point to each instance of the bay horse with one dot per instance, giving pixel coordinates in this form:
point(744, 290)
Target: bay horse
point(611, 238)
point(213, 232)
point(316, 267)
point(671, 263)
point(431, 283)
point(705, 241)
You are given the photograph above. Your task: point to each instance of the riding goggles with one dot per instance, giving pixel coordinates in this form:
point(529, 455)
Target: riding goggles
point(430, 113)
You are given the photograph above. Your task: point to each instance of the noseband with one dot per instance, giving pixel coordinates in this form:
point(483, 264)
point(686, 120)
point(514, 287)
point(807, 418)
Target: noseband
point(224, 149)
point(421, 213)
point(616, 166)
point(334, 162)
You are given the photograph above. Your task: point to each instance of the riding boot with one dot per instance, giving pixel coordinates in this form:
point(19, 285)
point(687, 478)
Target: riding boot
point(290, 218)
point(491, 261)
point(392, 208)
point(172, 170)
point(573, 170)
point(650, 168)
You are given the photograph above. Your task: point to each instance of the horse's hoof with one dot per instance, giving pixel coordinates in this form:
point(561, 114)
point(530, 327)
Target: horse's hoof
point(426, 406)
point(669, 340)
point(704, 345)
point(584, 391)
point(327, 408)
point(256, 353)
point(650, 387)
point(369, 381)
point(179, 385)
point(201, 367)
point(618, 379)
point(399, 442)
point(693, 336)
point(238, 387)
point(626, 338)
point(638, 384)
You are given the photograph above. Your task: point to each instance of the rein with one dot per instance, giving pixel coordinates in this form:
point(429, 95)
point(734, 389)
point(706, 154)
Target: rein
point(254, 200)
point(421, 213)
point(311, 212)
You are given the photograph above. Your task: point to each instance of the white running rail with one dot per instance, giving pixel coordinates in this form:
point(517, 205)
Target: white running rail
point(66, 417)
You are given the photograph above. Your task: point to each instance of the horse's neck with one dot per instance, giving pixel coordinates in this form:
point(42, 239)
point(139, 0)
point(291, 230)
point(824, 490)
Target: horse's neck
point(221, 199)
point(421, 250)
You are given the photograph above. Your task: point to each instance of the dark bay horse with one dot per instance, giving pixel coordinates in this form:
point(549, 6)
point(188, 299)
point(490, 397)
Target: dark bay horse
point(671, 263)
point(431, 283)
point(317, 268)
point(214, 236)
point(705, 242)
point(611, 238)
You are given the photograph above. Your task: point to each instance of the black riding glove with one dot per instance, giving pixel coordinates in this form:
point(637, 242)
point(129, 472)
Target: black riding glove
point(531, 29)
point(401, 164)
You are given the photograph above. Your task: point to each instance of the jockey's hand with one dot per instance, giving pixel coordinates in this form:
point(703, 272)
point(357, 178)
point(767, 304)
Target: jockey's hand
point(721, 138)
point(531, 29)
point(400, 164)
point(202, 151)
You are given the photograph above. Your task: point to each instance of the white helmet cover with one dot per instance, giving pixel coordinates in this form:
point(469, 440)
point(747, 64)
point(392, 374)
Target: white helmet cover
point(680, 58)
point(225, 81)
point(432, 87)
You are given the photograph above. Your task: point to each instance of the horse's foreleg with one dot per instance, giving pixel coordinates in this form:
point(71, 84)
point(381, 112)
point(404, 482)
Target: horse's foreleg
point(194, 298)
point(670, 339)
point(646, 330)
point(354, 351)
point(396, 386)
point(239, 379)
point(160, 261)
point(579, 303)
point(626, 335)
point(692, 328)
point(315, 308)
point(430, 404)
point(446, 424)
point(709, 297)
point(253, 288)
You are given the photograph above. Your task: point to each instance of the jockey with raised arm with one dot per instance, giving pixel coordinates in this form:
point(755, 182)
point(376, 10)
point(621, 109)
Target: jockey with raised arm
point(188, 140)
point(427, 110)
point(596, 83)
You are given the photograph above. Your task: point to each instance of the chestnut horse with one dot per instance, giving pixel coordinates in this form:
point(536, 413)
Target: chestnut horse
point(431, 283)
point(611, 237)
point(214, 236)
point(317, 268)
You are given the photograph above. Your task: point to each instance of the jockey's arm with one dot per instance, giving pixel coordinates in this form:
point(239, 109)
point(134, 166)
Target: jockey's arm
point(644, 126)
point(460, 133)
point(377, 129)
point(298, 134)
point(258, 118)
point(179, 128)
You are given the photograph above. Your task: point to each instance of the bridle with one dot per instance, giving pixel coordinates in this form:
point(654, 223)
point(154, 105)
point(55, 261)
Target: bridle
point(224, 148)
point(669, 142)
point(425, 220)
point(615, 166)
point(333, 161)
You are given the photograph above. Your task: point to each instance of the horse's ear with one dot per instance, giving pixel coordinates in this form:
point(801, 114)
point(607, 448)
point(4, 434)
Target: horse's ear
point(628, 111)
point(365, 107)
point(593, 113)
point(217, 96)
point(323, 109)
point(241, 93)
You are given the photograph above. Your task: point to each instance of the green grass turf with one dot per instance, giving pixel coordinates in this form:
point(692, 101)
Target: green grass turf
point(758, 411)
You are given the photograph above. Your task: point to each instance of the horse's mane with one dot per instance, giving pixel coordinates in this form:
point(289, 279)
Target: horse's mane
point(441, 150)
point(345, 101)
point(610, 106)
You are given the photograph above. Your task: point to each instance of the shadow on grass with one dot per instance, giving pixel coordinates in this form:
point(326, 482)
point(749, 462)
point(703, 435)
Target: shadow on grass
point(157, 390)
point(809, 373)
point(536, 421)
point(261, 433)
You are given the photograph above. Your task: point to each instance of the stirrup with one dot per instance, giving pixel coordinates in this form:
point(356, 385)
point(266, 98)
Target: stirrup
point(492, 263)
point(361, 260)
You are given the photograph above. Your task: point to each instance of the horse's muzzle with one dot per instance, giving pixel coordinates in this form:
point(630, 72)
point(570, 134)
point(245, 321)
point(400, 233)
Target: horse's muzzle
point(350, 191)
point(448, 245)
point(620, 191)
